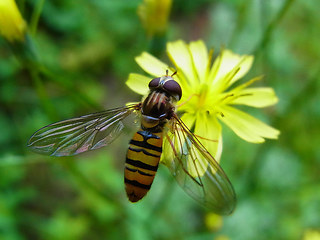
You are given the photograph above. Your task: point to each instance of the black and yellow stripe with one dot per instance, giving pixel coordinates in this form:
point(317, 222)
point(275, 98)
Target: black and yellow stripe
point(142, 162)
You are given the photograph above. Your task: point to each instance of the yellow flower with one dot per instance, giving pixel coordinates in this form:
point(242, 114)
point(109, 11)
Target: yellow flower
point(12, 25)
point(154, 15)
point(311, 234)
point(213, 221)
point(206, 94)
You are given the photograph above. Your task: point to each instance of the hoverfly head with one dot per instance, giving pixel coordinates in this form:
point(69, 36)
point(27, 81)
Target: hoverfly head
point(167, 84)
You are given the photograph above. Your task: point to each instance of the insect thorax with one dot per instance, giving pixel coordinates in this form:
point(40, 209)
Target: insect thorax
point(156, 110)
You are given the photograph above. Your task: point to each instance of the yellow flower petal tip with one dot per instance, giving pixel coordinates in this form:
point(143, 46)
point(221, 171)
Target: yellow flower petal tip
point(138, 83)
point(12, 25)
point(207, 93)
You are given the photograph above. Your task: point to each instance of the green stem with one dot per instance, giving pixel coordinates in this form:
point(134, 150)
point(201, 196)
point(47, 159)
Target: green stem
point(157, 45)
point(310, 87)
point(74, 91)
point(21, 4)
point(35, 17)
point(272, 25)
point(42, 94)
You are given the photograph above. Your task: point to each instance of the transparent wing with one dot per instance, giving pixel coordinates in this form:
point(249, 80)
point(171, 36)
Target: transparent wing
point(80, 134)
point(196, 170)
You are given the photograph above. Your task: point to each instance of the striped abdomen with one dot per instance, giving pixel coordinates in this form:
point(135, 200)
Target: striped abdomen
point(142, 162)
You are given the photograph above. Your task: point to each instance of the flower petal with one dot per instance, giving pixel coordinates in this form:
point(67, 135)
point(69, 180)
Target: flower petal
point(225, 63)
point(179, 54)
point(200, 59)
point(12, 25)
point(138, 83)
point(188, 119)
point(244, 66)
point(255, 97)
point(246, 126)
point(152, 65)
point(208, 131)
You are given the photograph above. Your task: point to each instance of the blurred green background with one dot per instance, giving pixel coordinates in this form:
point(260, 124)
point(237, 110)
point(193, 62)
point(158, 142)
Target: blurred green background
point(86, 50)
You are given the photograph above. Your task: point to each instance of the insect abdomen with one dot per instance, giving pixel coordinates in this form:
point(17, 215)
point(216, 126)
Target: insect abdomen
point(142, 162)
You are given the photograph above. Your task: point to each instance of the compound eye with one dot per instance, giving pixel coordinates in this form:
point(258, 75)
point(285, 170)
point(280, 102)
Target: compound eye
point(154, 83)
point(173, 88)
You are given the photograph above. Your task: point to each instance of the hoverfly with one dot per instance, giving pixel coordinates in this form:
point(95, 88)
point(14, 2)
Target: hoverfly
point(194, 168)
